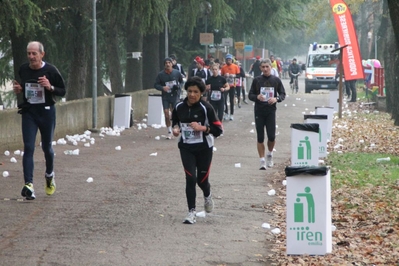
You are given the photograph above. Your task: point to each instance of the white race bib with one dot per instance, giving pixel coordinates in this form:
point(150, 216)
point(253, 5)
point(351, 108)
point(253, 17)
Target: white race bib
point(230, 80)
point(189, 135)
point(237, 82)
point(216, 95)
point(170, 84)
point(267, 92)
point(34, 93)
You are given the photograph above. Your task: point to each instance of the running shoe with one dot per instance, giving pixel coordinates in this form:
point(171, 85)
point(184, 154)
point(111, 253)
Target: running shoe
point(226, 117)
point(50, 185)
point(28, 192)
point(190, 218)
point(231, 118)
point(169, 136)
point(245, 101)
point(208, 204)
point(270, 161)
point(262, 165)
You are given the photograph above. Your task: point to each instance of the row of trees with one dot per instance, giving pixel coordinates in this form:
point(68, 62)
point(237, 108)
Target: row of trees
point(125, 26)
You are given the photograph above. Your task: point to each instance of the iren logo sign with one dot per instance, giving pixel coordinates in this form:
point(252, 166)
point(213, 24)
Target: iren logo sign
point(305, 204)
point(299, 207)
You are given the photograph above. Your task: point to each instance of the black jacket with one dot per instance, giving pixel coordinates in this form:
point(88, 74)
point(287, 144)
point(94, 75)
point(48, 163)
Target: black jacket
point(201, 112)
point(263, 81)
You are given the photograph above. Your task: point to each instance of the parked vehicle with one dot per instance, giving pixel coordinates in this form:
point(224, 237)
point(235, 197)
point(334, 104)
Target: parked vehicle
point(320, 68)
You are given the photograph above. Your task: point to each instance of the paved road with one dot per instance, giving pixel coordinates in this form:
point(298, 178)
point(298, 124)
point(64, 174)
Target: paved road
point(132, 213)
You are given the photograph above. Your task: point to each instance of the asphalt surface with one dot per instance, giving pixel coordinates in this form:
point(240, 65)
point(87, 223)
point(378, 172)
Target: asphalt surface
point(132, 212)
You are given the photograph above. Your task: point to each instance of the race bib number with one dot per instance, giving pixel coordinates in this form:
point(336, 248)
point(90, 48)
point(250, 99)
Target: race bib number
point(34, 93)
point(267, 92)
point(216, 95)
point(189, 135)
point(230, 80)
point(237, 81)
point(170, 84)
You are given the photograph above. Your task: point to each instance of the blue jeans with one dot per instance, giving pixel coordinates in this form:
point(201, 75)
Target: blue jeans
point(42, 118)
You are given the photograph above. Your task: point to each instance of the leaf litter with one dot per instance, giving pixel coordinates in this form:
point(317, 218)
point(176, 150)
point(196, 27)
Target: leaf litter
point(366, 220)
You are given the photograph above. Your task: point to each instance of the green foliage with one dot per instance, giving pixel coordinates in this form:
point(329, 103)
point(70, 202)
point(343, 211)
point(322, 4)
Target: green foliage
point(18, 15)
point(6, 68)
point(150, 15)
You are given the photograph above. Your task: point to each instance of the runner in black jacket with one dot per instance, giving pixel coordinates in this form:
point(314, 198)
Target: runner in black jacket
point(266, 90)
point(196, 120)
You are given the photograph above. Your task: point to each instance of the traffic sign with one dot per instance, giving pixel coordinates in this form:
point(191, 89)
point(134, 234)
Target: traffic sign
point(248, 48)
point(206, 38)
point(239, 45)
point(227, 41)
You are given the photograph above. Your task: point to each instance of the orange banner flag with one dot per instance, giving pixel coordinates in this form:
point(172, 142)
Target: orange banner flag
point(351, 58)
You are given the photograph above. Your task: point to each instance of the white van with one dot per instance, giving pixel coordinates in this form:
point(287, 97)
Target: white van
point(320, 68)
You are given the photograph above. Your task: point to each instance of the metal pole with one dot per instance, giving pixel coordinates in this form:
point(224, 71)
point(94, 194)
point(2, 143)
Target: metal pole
point(341, 71)
point(375, 46)
point(244, 65)
point(206, 31)
point(94, 96)
point(166, 38)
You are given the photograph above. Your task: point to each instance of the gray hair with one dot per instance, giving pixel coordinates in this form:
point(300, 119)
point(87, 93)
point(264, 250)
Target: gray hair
point(39, 44)
point(266, 61)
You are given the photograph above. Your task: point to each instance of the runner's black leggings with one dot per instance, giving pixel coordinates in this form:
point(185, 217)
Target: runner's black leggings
point(219, 107)
point(197, 166)
point(238, 91)
point(267, 120)
point(231, 94)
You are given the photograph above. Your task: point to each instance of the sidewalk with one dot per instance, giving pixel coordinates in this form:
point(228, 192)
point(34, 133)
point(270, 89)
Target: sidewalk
point(132, 212)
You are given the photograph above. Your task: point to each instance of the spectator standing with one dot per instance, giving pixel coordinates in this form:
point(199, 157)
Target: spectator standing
point(40, 83)
point(168, 82)
point(195, 119)
point(351, 90)
point(266, 90)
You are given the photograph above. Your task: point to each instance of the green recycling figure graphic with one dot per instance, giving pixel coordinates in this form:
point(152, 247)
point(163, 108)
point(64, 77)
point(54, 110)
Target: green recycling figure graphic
point(299, 209)
point(301, 149)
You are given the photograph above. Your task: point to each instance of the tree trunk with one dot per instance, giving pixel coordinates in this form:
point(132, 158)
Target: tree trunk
point(78, 82)
point(387, 43)
point(113, 60)
point(393, 6)
point(150, 60)
point(162, 53)
point(134, 67)
point(18, 46)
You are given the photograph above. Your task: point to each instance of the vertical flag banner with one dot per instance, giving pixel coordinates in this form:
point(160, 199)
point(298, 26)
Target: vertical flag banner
point(352, 61)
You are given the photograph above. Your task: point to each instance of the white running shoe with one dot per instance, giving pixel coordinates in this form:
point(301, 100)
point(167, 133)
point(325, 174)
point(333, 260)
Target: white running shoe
point(169, 136)
point(208, 204)
point(231, 118)
point(270, 161)
point(190, 218)
point(262, 165)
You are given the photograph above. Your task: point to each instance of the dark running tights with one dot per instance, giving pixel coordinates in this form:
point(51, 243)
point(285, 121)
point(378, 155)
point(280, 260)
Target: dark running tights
point(196, 167)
